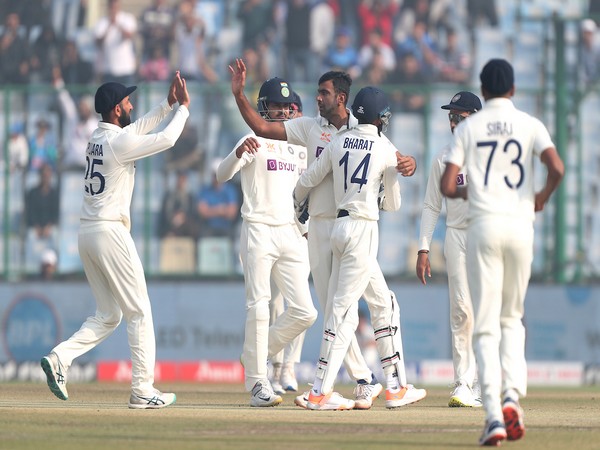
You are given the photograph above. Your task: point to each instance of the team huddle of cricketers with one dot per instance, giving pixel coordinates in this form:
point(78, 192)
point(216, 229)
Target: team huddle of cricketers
point(313, 189)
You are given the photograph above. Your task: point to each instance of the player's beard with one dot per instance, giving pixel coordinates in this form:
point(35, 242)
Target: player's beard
point(124, 118)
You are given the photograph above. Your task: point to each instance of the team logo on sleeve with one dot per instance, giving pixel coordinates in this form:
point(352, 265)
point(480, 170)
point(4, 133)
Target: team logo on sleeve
point(460, 179)
point(271, 164)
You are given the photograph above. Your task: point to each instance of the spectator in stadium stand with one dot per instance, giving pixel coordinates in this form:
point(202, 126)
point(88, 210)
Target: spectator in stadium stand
point(455, 60)
point(14, 52)
point(342, 55)
point(73, 68)
point(256, 18)
point(115, 34)
point(410, 77)
point(375, 44)
point(178, 210)
point(45, 55)
point(43, 149)
point(186, 154)
point(189, 39)
point(377, 14)
point(322, 33)
point(482, 13)
point(423, 47)
point(18, 149)
point(298, 55)
point(42, 205)
point(157, 26)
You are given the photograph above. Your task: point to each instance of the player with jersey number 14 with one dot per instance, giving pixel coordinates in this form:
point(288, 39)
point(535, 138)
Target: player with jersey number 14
point(497, 146)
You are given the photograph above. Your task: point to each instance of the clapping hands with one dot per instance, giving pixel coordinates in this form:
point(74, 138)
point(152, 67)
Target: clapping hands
point(178, 91)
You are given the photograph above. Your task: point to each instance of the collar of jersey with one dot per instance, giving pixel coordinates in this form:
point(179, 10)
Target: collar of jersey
point(499, 101)
point(352, 121)
point(109, 126)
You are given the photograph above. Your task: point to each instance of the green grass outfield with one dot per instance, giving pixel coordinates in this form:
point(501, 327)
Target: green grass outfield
point(218, 417)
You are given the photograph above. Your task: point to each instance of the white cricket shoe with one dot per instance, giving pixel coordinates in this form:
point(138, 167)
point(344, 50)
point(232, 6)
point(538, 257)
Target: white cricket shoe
point(328, 402)
point(263, 395)
point(493, 434)
point(288, 378)
point(365, 394)
point(463, 397)
point(302, 400)
point(56, 375)
point(404, 396)
point(153, 400)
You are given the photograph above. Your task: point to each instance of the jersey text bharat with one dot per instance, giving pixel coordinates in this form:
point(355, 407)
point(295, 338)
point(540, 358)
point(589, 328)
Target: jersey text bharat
point(358, 144)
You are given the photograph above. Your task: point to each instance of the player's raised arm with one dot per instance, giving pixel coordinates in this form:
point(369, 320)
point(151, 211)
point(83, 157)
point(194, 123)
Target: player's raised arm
point(263, 128)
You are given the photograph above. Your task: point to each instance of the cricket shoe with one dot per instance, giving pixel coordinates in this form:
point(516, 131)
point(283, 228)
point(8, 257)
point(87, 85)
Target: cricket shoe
point(404, 396)
point(463, 397)
point(513, 419)
point(154, 400)
point(263, 395)
point(493, 434)
point(277, 387)
point(56, 375)
point(288, 378)
point(328, 402)
point(365, 394)
point(302, 400)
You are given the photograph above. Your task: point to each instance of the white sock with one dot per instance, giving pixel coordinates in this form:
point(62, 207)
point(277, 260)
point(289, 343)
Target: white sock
point(317, 386)
point(392, 382)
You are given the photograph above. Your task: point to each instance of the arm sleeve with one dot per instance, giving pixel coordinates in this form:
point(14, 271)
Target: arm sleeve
point(432, 205)
point(391, 186)
point(151, 119)
point(314, 174)
point(232, 164)
point(297, 130)
point(131, 147)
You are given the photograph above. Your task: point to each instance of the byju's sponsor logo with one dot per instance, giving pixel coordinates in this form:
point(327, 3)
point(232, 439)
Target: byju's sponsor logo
point(273, 164)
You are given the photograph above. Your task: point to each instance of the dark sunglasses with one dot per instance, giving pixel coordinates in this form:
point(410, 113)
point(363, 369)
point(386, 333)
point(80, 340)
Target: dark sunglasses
point(456, 118)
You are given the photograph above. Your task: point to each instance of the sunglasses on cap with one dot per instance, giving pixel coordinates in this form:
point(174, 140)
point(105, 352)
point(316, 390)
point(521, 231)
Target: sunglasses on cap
point(456, 118)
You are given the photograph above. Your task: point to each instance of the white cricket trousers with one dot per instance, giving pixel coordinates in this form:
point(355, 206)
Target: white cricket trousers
point(273, 251)
point(293, 351)
point(461, 306)
point(320, 256)
point(116, 277)
point(354, 244)
point(499, 257)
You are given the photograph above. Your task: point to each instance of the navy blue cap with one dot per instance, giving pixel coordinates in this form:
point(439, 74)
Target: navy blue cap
point(369, 104)
point(464, 101)
point(110, 95)
point(497, 76)
point(297, 100)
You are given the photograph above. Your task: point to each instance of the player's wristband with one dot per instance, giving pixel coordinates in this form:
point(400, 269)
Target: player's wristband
point(422, 251)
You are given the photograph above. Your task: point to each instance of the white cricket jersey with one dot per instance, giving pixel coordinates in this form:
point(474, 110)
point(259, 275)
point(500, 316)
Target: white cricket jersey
point(456, 208)
point(497, 145)
point(268, 178)
point(110, 161)
point(315, 133)
point(360, 160)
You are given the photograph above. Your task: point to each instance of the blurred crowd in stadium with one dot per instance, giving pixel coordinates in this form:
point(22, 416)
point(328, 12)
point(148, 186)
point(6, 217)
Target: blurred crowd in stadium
point(74, 45)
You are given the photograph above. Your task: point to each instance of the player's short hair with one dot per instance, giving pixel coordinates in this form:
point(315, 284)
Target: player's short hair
point(341, 82)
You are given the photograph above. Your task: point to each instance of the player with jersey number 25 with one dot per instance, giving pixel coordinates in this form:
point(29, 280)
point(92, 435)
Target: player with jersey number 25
point(497, 146)
point(110, 260)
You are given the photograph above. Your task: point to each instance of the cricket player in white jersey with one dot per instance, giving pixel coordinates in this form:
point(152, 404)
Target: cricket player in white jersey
point(497, 146)
point(284, 363)
point(315, 133)
point(271, 244)
point(360, 160)
point(110, 260)
point(465, 392)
